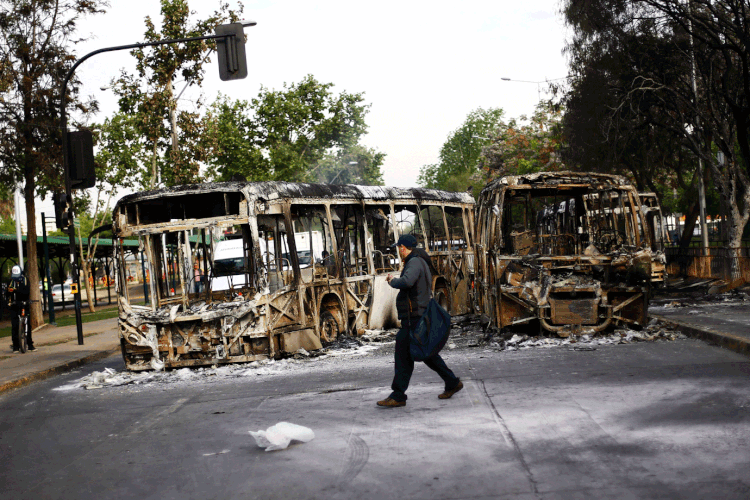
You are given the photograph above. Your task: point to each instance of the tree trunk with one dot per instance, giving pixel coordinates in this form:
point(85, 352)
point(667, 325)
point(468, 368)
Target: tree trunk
point(85, 268)
point(152, 182)
point(687, 230)
point(32, 269)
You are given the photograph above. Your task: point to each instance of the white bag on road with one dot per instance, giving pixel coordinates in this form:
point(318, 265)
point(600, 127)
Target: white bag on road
point(278, 437)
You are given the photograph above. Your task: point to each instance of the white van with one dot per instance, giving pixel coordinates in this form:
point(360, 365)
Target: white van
point(308, 249)
point(229, 266)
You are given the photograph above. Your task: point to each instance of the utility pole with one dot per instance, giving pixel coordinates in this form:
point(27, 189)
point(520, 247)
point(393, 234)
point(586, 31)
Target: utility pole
point(48, 279)
point(701, 186)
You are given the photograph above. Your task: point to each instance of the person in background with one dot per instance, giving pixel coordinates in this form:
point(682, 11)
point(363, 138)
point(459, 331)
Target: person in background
point(198, 285)
point(18, 297)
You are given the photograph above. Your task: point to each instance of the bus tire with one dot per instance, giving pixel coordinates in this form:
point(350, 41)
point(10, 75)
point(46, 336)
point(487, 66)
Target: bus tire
point(329, 327)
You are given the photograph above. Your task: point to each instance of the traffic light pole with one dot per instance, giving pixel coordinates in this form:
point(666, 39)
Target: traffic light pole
point(65, 160)
point(47, 277)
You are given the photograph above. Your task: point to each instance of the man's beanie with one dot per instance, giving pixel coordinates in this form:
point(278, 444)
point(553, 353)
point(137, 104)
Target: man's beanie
point(406, 240)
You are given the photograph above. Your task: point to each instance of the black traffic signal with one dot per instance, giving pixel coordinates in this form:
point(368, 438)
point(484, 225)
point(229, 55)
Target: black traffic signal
point(63, 210)
point(231, 52)
point(81, 159)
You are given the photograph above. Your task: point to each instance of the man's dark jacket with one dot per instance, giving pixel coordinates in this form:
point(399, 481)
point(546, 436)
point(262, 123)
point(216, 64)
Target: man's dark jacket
point(414, 287)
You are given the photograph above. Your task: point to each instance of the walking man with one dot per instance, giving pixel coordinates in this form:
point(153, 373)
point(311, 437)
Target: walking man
point(414, 293)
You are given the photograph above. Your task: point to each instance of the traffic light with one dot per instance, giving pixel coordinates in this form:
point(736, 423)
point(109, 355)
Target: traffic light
point(81, 159)
point(63, 210)
point(231, 52)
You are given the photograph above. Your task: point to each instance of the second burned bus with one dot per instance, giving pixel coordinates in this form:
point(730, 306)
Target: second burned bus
point(565, 253)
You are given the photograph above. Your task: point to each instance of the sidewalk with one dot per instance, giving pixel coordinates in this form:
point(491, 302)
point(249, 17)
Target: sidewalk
point(692, 305)
point(57, 351)
point(726, 326)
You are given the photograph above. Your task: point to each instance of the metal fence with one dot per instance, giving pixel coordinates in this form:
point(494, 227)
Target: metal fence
point(731, 264)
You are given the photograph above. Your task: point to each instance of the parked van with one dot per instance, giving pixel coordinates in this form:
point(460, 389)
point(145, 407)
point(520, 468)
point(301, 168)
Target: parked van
point(229, 270)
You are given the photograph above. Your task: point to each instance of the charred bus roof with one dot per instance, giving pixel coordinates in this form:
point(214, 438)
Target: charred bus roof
point(232, 199)
point(554, 179)
point(272, 190)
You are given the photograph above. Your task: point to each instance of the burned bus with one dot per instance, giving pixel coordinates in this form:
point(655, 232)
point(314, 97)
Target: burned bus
point(297, 265)
point(564, 253)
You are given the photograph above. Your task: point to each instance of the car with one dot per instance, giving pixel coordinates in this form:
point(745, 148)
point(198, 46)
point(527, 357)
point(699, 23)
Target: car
point(58, 291)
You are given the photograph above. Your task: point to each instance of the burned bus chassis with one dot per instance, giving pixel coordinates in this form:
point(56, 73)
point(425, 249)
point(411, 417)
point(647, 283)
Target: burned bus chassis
point(564, 298)
point(564, 253)
point(279, 306)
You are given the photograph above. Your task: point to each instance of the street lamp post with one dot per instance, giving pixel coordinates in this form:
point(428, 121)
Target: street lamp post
point(538, 84)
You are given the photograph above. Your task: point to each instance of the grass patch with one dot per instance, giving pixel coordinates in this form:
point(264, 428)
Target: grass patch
point(87, 317)
point(71, 319)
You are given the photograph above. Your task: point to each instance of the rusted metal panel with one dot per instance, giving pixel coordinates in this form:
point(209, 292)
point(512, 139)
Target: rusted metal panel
point(574, 311)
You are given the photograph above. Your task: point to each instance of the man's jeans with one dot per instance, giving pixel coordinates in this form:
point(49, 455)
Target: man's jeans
point(405, 367)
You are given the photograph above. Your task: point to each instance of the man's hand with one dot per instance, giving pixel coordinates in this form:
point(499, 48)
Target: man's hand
point(389, 278)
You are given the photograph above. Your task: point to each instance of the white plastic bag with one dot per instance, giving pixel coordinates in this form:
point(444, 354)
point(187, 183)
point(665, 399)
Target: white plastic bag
point(278, 437)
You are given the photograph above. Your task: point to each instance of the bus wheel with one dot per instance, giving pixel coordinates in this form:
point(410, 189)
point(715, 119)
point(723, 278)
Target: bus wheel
point(329, 327)
point(442, 298)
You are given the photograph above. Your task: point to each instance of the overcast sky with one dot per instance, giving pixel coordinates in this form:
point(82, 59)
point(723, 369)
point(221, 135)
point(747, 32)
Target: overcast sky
point(422, 65)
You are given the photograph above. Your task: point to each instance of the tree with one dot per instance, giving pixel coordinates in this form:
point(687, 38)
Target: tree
point(289, 134)
point(35, 55)
point(235, 150)
point(459, 156)
point(354, 165)
point(709, 39)
point(531, 145)
point(170, 138)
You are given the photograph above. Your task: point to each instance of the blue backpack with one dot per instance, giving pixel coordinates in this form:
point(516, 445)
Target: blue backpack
point(431, 332)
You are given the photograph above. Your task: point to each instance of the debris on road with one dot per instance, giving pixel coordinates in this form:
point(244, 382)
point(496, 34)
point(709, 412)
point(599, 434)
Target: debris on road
point(345, 346)
point(468, 332)
point(278, 437)
point(472, 334)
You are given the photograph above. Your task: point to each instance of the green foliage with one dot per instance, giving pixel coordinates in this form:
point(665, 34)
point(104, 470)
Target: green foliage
point(89, 223)
point(35, 54)
point(36, 40)
point(531, 145)
point(296, 126)
point(234, 145)
point(657, 84)
point(169, 143)
point(460, 153)
point(301, 133)
point(120, 152)
point(353, 165)
point(7, 225)
point(485, 147)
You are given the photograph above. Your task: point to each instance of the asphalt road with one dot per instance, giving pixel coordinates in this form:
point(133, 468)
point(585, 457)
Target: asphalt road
point(666, 419)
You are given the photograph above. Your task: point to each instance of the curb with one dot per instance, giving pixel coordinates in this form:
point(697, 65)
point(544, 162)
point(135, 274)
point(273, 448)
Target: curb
point(729, 341)
point(44, 374)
